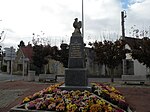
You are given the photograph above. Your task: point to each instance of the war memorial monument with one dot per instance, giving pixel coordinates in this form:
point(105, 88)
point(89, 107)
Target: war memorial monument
point(76, 73)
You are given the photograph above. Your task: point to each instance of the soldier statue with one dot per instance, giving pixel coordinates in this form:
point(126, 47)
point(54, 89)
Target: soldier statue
point(77, 25)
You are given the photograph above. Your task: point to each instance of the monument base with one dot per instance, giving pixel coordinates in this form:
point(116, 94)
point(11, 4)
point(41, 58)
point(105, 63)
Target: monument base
point(70, 88)
point(76, 77)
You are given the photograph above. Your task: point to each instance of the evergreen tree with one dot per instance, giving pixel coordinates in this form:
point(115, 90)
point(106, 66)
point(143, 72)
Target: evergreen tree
point(40, 54)
point(64, 54)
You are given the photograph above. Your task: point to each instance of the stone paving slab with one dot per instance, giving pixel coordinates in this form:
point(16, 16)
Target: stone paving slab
point(7, 96)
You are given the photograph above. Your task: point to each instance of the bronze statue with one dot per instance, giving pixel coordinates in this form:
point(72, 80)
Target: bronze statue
point(77, 25)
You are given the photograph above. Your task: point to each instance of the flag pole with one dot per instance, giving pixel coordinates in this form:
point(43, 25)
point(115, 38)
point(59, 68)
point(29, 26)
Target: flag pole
point(82, 19)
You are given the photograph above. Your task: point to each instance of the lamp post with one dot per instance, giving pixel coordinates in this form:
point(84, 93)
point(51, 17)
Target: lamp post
point(123, 15)
point(82, 19)
point(1, 33)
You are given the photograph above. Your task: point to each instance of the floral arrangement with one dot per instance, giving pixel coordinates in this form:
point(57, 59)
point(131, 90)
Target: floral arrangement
point(110, 94)
point(54, 99)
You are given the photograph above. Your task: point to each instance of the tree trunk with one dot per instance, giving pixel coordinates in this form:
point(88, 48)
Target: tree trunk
point(112, 75)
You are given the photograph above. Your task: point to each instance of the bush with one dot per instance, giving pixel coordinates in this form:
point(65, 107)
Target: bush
point(148, 76)
point(4, 68)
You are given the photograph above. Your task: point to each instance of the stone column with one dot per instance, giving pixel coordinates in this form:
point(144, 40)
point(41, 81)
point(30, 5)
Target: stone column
point(75, 74)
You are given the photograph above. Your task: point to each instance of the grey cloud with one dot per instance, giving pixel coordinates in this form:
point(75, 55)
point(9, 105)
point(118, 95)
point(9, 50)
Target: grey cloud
point(98, 25)
point(138, 15)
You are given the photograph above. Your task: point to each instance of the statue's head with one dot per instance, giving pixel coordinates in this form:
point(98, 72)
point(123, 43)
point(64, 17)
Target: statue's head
point(76, 19)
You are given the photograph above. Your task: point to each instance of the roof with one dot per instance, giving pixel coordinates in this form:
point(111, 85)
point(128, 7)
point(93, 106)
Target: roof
point(27, 51)
point(134, 43)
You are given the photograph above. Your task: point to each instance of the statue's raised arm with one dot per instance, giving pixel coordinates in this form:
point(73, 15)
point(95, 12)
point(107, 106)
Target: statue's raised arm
point(77, 25)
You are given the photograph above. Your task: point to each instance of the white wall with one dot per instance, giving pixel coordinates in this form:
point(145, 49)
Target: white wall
point(139, 69)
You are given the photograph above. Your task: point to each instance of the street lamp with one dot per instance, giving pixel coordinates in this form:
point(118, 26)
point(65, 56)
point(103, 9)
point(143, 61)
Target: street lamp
point(123, 15)
point(82, 19)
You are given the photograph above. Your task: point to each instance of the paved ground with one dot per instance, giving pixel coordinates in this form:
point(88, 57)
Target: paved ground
point(138, 97)
point(13, 92)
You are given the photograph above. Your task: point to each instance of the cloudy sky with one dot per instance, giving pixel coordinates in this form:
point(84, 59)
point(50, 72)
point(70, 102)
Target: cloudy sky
point(52, 19)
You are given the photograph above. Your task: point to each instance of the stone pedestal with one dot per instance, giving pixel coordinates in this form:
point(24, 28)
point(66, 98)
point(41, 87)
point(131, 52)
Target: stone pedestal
point(76, 77)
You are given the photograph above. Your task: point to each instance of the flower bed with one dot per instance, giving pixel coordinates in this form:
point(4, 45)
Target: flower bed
point(110, 94)
point(54, 99)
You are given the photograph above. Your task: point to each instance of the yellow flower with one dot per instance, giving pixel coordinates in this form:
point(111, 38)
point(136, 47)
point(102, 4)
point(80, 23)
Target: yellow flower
point(100, 102)
point(95, 108)
point(109, 108)
point(26, 99)
point(113, 89)
point(52, 99)
point(71, 107)
point(104, 90)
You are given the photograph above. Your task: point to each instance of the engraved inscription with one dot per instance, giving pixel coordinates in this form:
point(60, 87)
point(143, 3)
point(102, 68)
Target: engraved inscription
point(75, 50)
